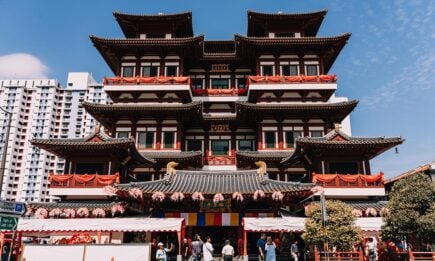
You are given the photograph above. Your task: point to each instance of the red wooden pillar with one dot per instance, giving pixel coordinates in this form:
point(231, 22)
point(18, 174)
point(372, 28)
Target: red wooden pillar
point(280, 136)
point(179, 132)
point(260, 137)
point(159, 135)
point(2, 242)
point(245, 243)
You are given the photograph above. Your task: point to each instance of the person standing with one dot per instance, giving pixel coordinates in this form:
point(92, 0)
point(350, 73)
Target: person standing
point(161, 254)
point(294, 250)
point(197, 248)
point(227, 251)
point(261, 245)
point(270, 250)
point(185, 250)
point(371, 251)
point(207, 249)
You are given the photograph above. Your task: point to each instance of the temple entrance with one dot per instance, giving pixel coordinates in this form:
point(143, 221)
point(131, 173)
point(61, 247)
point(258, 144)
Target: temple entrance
point(218, 235)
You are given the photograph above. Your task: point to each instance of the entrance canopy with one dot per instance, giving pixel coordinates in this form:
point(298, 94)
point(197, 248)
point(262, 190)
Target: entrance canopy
point(297, 224)
point(142, 224)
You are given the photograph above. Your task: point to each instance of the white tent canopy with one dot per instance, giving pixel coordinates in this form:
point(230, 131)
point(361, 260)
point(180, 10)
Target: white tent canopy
point(297, 224)
point(142, 224)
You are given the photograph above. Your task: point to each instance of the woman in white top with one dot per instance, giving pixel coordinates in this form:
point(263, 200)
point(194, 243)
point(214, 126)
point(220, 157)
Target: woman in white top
point(161, 252)
point(227, 251)
point(207, 250)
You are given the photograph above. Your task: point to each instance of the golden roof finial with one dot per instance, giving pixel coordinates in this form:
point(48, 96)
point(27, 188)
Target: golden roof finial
point(170, 167)
point(337, 127)
point(262, 167)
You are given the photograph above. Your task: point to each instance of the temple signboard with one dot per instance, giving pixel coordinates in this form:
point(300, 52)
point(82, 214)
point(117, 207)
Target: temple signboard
point(208, 205)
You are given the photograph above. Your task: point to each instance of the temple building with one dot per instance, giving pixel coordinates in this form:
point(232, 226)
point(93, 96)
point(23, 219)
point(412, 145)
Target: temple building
point(216, 131)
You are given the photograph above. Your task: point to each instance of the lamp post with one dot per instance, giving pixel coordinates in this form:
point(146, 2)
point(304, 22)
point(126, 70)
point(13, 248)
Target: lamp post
point(5, 148)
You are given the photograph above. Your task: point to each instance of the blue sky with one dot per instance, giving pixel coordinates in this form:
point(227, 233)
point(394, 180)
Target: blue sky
point(388, 64)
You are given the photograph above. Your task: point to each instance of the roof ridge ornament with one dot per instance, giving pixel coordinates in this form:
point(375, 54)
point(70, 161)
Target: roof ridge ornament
point(262, 167)
point(337, 127)
point(170, 168)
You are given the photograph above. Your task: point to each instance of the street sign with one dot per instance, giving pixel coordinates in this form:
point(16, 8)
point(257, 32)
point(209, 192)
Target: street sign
point(14, 208)
point(8, 222)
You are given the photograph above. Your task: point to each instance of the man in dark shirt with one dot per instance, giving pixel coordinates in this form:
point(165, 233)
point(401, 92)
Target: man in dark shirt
point(261, 245)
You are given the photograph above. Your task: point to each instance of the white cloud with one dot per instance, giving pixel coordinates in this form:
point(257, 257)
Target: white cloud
point(22, 66)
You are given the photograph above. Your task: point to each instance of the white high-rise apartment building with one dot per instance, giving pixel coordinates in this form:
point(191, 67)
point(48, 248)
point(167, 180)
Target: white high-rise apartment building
point(41, 109)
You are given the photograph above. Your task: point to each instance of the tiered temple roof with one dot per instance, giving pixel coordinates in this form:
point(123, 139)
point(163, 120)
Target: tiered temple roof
point(113, 50)
point(98, 142)
point(212, 182)
point(338, 143)
point(132, 25)
point(108, 114)
point(308, 22)
point(334, 112)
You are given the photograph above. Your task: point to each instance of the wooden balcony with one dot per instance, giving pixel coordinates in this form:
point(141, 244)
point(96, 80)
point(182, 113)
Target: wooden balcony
point(220, 92)
point(219, 160)
point(297, 79)
point(160, 80)
point(349, 180)
point(82, 180)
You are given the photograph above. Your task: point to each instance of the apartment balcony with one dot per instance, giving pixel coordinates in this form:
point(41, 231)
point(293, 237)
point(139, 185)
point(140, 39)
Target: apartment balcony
point(350, 185)
point(80, 185)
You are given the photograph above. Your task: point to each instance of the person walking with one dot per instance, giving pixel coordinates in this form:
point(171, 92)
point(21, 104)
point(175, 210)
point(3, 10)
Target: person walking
point(161, 254)
point(227, 251)
point(371, 251)
point(270, 250)
point(197, 248)
point(294, 250)
point(207, 249)
point(261, 245)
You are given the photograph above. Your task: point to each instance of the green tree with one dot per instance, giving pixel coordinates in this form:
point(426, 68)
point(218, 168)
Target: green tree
point(340, 229)
point(411, 209)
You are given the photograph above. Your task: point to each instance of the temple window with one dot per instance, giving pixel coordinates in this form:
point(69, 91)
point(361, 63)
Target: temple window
point(245, 145)
point(270, 139)
point(193, 145)
point(171, 69)
point(220, 147)
point(197, 83)
point(267, 68)
point(168, 139)
point(290, 138)
point(122, 134)
point(316, 133)
point(150, 69)
point(127, 71)
point(311, 68)
point(145, 139)
point(241, 82)
point(289, 68)
point(220, 83)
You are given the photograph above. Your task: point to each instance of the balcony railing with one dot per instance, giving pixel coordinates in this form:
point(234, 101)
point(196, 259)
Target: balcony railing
point(293, 79)
point(146, 80)
point(219, 160)
point(349, 180)
point(82, 180)
point(220, 92)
